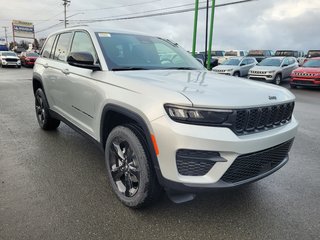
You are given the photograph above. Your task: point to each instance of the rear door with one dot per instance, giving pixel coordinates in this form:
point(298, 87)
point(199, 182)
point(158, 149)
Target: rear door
point(286, 68)
point(58, 72)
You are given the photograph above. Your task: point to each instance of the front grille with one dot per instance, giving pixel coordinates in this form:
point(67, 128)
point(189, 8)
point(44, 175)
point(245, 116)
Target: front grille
point(254, 164)
point(219, 70)
point(258, 72)
point(305, 74)
point(194, 162)
point(11, 60)
point(262, 118)
point(303, 82)
point(257, 78)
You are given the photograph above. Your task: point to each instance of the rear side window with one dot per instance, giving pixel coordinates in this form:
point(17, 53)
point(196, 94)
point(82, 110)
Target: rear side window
point(62, 48)
point(47, 47)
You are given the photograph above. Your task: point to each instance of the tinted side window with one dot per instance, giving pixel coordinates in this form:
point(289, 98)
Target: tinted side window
point(245, 62)
point(250, 61)
point(47, 48)
point(62, 48)
point(241, 53)
point(82, 43)
point(286, 61)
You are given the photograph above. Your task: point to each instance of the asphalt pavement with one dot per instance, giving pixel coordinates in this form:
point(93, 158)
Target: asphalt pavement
point(53, 185)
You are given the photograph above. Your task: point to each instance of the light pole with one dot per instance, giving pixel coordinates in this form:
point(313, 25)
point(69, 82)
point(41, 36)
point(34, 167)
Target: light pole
point(65, 3)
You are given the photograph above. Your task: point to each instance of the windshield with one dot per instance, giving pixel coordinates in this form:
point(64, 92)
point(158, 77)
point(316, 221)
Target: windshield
point(137, 52)
point(232, 61)
point(315, 63)
point(32, 55)
point(256, 53)
point(231, 53)
point(11, 54)
point(314, 53)
point(270, 62)
point(217, 53)
point(287, 53)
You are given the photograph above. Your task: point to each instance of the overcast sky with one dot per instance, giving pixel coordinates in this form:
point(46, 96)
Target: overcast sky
point(263, 24)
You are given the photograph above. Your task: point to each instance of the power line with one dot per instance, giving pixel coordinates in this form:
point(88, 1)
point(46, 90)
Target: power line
point(126, 17)
point(115, 7)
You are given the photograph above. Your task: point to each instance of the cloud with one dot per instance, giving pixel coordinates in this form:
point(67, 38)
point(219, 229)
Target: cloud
point(263, 24)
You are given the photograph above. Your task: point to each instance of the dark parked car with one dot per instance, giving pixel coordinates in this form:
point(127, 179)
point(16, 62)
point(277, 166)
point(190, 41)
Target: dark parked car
point(200, 58)
point(259, 55)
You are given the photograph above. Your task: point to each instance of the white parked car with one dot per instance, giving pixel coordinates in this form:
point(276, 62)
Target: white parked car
point(8, 58)
point(236, 66)
point(273, 69)
point(161, 123)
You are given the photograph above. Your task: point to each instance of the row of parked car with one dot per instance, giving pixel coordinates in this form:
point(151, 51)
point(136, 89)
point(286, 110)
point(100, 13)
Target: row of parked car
point(9, 58)
point(263, 65)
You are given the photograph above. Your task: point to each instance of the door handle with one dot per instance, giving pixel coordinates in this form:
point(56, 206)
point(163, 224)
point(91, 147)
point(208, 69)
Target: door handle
point(46, 65)
point(65, 71)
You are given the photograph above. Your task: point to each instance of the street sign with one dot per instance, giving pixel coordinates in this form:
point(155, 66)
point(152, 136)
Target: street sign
point(22, 29)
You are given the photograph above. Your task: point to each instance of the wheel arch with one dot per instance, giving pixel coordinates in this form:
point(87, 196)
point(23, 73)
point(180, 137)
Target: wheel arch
point(114, 115)
point(37, 83)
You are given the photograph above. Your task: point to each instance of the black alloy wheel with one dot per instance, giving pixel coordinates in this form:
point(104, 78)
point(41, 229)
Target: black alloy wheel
point(124, 168)
point(129, 167)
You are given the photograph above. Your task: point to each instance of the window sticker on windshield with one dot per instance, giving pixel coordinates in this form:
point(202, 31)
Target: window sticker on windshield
point(104, 34)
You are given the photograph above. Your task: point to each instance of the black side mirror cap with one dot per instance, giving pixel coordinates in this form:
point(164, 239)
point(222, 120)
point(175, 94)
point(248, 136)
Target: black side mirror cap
point(82, 60)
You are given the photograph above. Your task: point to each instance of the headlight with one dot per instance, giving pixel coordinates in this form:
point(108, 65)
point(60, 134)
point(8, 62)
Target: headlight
point(198, 116)
point(18, 61)
point(229, 70)
point(271, 71)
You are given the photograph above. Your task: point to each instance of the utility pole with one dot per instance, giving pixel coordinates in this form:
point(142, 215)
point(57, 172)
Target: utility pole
point(65, 4)
point(195, 27)
point(6, 36)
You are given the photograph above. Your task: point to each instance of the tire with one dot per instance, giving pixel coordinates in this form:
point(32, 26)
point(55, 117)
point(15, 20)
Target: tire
point(129, 168)
point(46, 122)
point(236, 74)
point(293, 86)
point(278, 79)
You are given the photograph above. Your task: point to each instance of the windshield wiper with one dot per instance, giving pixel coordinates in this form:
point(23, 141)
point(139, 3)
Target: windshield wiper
point(181, 68)
point(129, 68)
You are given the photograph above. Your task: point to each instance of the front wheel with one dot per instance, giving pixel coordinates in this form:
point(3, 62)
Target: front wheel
point(236, 74)
point(129, 169)
point(46, 122)
point(278, 79)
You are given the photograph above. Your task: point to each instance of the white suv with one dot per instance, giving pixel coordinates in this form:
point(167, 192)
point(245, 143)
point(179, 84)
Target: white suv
point(163, 121)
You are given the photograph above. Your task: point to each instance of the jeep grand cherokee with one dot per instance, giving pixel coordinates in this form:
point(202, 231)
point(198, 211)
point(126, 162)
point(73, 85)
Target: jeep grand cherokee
point(163, 121)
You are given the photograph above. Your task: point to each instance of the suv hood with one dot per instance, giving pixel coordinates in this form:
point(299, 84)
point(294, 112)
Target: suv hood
point(226, 67)
point(265, 68)
point(9, 57)
point(307, 70)
point(207, 89)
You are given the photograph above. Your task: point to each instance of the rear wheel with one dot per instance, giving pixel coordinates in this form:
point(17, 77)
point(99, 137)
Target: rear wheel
point(278, 79)
point(46, 122)
point(129, 170)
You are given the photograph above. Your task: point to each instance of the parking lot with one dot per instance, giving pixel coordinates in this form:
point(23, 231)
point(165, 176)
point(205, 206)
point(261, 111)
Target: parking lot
point(53, 185)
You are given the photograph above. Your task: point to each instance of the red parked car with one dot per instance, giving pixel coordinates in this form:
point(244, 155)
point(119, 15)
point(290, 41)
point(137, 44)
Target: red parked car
point(307, 75)
point(28, 58)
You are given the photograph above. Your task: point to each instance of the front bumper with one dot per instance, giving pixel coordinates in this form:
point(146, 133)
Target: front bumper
point(267, 77)
point(306, 82)
point(9, 63)
point(172, 136)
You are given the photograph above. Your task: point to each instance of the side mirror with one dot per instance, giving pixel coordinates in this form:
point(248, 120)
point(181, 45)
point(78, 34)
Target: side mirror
point(242, 64)
point(285, 65)
point(82, 60)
